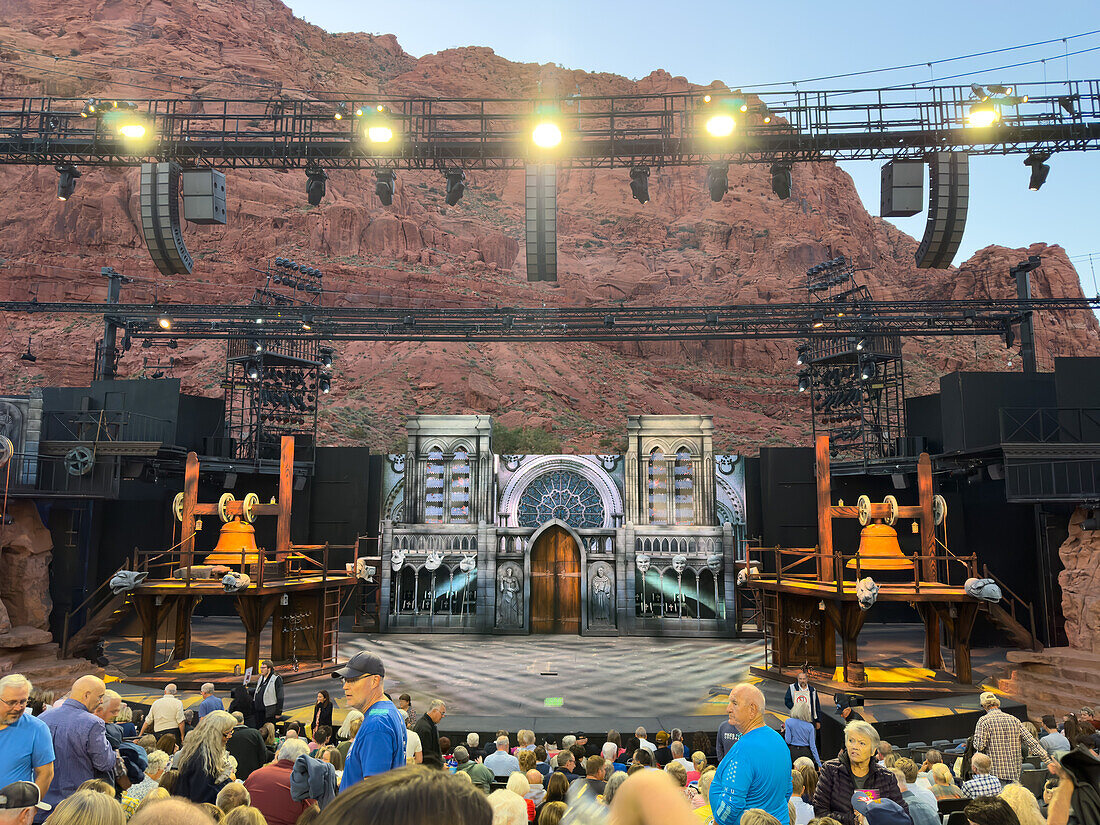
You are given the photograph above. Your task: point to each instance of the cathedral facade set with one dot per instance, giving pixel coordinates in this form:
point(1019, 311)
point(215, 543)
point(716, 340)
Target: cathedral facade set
point(645, 543)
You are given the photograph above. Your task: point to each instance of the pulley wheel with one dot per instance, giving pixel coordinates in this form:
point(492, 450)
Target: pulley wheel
point(892, 503)
point(863, 508)
point(79, 461)
point(250, 501)
point(177, 506)
point(223, 504)
point(939, 509)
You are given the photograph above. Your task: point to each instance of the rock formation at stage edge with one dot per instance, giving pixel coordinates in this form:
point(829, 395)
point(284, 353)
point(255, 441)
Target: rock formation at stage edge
point(679, 249)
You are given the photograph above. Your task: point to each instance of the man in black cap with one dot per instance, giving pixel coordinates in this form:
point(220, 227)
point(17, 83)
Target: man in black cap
point(19, 801)
point(379, 745)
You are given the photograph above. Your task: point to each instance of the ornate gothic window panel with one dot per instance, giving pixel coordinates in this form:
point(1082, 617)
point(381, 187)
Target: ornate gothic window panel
point(460, 487)
point(683, 483)
point(563, 495)
point(657, 488)
point(435, 491)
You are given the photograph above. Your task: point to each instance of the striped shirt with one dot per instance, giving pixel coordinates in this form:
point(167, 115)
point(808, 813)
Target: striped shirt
point(1001, 736)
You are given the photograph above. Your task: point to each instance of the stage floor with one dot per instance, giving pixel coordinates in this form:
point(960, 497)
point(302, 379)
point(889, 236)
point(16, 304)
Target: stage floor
point(594, 683)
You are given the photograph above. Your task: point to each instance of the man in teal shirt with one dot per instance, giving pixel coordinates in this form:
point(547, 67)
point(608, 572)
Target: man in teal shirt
point(379, 745)
point(756, 771)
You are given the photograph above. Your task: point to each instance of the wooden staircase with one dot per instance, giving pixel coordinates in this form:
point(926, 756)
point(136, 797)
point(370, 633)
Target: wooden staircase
point(1012, 614)
point(98, 624)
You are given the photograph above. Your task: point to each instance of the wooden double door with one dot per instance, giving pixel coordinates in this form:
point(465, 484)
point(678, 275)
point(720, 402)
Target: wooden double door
point(555, 583)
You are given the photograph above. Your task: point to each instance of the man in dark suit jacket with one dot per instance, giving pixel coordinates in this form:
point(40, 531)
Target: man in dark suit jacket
point(246, 745)
point(426, 728)
point(268, 698)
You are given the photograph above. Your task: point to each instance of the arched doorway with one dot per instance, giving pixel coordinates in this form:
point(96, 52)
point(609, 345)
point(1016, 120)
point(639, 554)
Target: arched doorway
point(555, 583)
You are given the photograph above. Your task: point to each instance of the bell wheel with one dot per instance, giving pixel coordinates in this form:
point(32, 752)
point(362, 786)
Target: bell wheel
point(863, 509)
point(939, 509)
point(7, 450)
point(223, 505)
point(250, 501)
point(79, 461)
point(892, 504)
point(177, 506)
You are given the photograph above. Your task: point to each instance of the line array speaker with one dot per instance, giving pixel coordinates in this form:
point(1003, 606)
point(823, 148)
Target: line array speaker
point(160, 218)
point(542, 222)
point(902, 194)
point(948, 198)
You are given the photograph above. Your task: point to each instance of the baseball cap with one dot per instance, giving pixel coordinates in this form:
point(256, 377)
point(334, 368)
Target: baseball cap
point(19, 795)
point(879, 811)
point(987, 697)
point(361, 664)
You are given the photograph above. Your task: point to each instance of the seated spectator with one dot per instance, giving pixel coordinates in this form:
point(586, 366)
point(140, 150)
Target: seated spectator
point(414, 795)
point(172, 811)
point(615, 738)
point(677, 749)
point(594, 779)
point(921, 810)
point(508, 809)
point(149, 742)
point(87, 808)
point(98, 786)
point(943, 784)
point(679, 776)
point(321, 736)
point(526, 760)
point(158, 794)
point(347, 731)
point(481, 776)
point(758, 816)
point(125, 720)
point(911, 770)
point(931, 757)
point(566, 764)
point(854, 768)
point(233, 795)
point(1023, 803)
point(642, 757)
point(701, 741)
point(518, 784)
point(663, 754)
point(154, 770)
point(331, 754)
point(168, 781)
point(557, 790)
point(537, 791)
point(203, 761)
point(244, 816)
point(698, 765)
point(526, 740)
point(502, 763)
point(542, 763)
point(981, 783)
point(703, 811)
point(642, 741)
point(213, 812)
point(1052, 740)
point(990, 810)
point(552, 813)
point(610, 753)
point(803, 811)
point(269, 786)
point(168, 743)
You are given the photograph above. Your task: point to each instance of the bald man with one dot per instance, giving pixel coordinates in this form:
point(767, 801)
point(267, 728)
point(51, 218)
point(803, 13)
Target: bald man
point(79, 740)
point(756, 771)
point(174, 811)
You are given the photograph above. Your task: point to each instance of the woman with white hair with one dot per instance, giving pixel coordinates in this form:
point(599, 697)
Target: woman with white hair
point(203, 764)
point(508, 809)
point(856, 769)
point(154, 770)
point(800, 733)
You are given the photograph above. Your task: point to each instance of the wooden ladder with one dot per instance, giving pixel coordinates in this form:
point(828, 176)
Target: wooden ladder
point(331, 608)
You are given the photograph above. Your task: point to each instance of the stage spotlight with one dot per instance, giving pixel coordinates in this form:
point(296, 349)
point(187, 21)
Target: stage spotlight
point(326, 357)
point(173, 343)
point(639, 183)
point(817, 321)
point(1039, 170)
point(341, 110)
point(324, 385)
point(1010, 337)
point(781, 180)
point(66, 181)
point(546, 135)
point(802, 349)
point(609, 321)
point(456, 186)
point(720, 125)
point(28, 356)
point(861, 345)
point(717, 181)
point(128, 124)
point(315, 185)
point(90, 108)
point(803, 381)
point(982, 115)
point(257, 345)
point(252, 370)
point(379, 134)
point(385, 181)
point(979, 92)
point(146, 344)
point(867, 370)
point(307, 322)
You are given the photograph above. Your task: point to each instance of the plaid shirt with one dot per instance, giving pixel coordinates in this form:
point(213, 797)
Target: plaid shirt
point(983, 784)
point(1000, 736)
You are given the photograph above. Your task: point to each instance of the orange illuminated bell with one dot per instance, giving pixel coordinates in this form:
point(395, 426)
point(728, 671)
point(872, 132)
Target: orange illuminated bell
point(881, 541)
point(236, 541)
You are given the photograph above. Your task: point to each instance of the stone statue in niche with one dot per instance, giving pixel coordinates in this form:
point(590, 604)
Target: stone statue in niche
point(600, 594)
point(510, 599)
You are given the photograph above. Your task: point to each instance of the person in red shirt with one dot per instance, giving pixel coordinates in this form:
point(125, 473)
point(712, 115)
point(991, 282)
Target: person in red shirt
point(269, 786)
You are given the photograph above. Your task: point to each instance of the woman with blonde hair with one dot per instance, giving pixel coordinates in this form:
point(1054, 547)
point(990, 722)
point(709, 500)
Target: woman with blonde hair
point(699, 764)
point(943, 784)
point(203, 764)
point(87, 808)
point(244, 815)
point(1023, 804)
point(152, 798)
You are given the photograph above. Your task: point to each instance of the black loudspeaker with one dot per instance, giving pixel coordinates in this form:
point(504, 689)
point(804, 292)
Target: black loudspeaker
point(948, 199)
point(902, 194)
point(218, 447)
point(542, 222)
point(160, 218)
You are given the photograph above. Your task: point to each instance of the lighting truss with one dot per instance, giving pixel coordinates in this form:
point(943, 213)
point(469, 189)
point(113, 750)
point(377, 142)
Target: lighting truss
point(605, 131)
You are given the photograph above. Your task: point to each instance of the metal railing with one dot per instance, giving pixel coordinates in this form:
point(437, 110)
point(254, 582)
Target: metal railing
point(53, 475)
point(1015, 606)
point(104, 425)
point(1050, 425)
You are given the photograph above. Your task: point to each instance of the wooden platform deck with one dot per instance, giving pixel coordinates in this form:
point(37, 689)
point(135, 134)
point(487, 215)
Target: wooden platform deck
point(909, 591)
point(213, 587)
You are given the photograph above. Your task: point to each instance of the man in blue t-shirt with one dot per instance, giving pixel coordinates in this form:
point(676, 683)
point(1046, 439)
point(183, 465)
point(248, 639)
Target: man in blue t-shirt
point(26, 747)
point(756, 772)
point(379, 745)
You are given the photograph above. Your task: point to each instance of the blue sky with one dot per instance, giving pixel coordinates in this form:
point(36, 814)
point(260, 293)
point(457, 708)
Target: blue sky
point(743, 44)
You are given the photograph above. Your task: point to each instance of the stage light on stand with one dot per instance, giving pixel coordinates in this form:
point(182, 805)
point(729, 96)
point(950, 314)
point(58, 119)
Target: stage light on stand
point(66, 181)
point(639, 183)
point(861, 345)
point(781, 180)
point(717, 181)
point(982, 115)
point(867, 370)
point(307, 322)
point(546, 134)
point(315, 185)
point(456, 186)
point(1067, 105)
point(384, 183)
point(1039, 170)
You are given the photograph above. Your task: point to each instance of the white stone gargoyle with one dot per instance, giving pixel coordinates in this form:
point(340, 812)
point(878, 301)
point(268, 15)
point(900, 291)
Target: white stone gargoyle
point(866, 593)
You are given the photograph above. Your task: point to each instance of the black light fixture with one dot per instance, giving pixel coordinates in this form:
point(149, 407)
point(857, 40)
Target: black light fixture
point(867, 370)
point(456, 187)
point(158, 374)
point(717, 181)
point(609, 320)
point(66, 181)
point(802, 349)
point(315, 185)
point(1010, 336)
point(164, 322)
point(257, 345)
point(326, 357)
point(1066, 102)
point(307, 322)
point(817, 320)
point(861, 345)
point(28, 355)
point(781, 179)
point(803, 381)
point(408, 321)
point(385, 181)
point(324, 384)
point(173, 343)
point(1039, 170)
point(146, 344)
point(639, 183)
point(252, 370)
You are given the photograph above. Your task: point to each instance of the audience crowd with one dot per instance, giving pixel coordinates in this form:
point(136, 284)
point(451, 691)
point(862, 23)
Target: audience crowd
point(87, 758)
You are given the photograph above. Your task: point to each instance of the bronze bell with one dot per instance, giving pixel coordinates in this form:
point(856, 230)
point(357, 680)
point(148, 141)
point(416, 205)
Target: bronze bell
point(879, 549)
point(236, 545)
